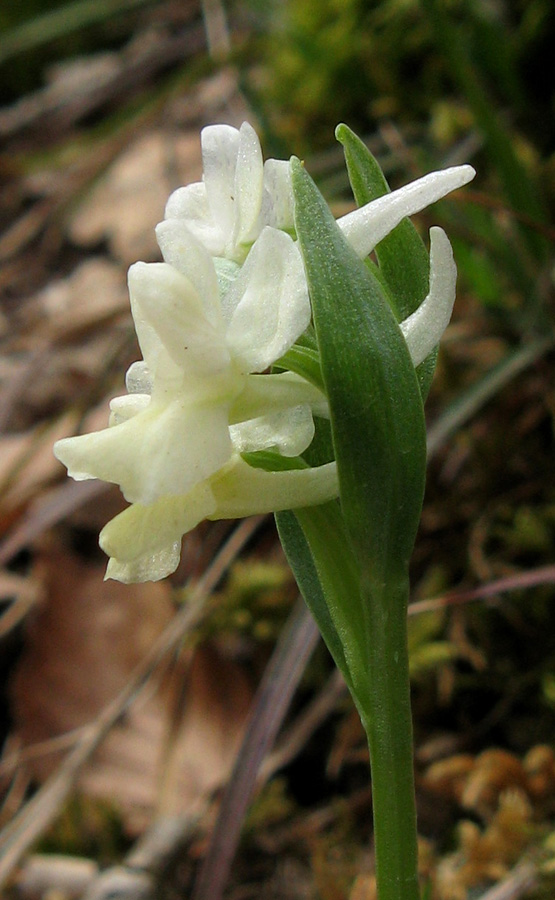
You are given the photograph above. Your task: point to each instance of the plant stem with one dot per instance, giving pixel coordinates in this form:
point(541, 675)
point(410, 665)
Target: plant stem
point(384, 704)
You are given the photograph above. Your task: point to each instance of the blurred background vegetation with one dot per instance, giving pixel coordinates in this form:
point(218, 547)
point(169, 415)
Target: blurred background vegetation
point(427, 84)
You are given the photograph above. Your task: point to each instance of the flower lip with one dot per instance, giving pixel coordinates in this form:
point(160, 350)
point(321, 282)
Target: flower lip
point(144, 542)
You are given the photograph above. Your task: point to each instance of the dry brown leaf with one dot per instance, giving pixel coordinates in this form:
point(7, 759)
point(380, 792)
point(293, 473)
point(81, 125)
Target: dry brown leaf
point(210, 723)
point(85, 641)
point(93, 293)
point(86, 637)
point(129, 201)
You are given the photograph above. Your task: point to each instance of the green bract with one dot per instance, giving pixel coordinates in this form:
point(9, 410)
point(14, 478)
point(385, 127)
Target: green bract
point(403, 263)
point(375, 405)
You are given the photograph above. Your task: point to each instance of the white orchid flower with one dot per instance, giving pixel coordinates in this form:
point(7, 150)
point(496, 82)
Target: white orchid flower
point(202, 344)
point(144, 542)
point(240, 195)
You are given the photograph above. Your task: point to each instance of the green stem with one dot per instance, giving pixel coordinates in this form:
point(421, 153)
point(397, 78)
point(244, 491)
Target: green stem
point(384, 704)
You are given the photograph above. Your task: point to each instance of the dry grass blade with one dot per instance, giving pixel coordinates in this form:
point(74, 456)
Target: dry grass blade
point(520, 882)
point(39, 812)
point(259, 738)
point(26, 594)
point(545, 575)
point(64, 500)
point(217, 31)
point(61, 106)
point(470, 402)
point(302, 728)
point(280, 681)
point(15, 758)
point(59, 23)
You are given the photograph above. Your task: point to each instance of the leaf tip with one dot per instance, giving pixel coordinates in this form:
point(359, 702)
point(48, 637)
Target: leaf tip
point(342, 132)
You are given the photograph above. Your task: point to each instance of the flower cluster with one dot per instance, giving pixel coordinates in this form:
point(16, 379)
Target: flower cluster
point(229, 300)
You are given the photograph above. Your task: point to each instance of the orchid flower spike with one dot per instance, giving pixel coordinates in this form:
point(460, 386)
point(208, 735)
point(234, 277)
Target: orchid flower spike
point(229, 300)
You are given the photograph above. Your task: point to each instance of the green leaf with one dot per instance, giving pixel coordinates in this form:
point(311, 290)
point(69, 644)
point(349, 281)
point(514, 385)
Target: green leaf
point(322, 562)
point(376, 409)
point(404, 265)
point(57, 23)
point(270, 461)
point(304, 361)
point(318, 551)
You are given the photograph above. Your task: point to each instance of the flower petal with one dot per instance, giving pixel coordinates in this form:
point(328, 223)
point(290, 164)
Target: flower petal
point(170, 322)
point(267, 306)
point(189, 205)
point(423, 329)
point(288, 431)
point(188, 202)
point(220, 148)
point(145, 541)
point(182, 250)
point(276, 392)
point(240, 490)
point(124, 408)
point(248, 187)
point(277, 200)
point(164, 450)
point(365, 227)
point(138, 378)
point(151, 567)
